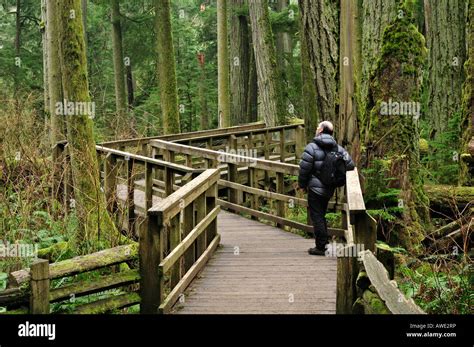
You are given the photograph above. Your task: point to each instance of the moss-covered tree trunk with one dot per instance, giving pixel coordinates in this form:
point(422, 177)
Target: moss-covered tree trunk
point(310, 113)
point(445, 26)
point(393, 134)
point(44, 41)
point(53, 28)
point(320, 34)
point(272, 105)
point(204, 112)
point(283, 42)
point(348, 126)
point(96, 229)
point(223, 93)
point(239, 62)
point(467, 110)
point(119, 70)
point(166, 68)
point(252, 90)
point(374, 16)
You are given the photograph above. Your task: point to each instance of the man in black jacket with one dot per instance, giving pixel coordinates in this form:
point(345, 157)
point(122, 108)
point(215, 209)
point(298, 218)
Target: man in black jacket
point(309, 180)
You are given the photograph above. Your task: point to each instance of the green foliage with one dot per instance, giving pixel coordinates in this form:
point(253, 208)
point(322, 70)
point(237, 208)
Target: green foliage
point(442, 162)
point(436, 290)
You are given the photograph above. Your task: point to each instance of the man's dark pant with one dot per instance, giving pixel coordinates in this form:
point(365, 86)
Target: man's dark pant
point(318, 205)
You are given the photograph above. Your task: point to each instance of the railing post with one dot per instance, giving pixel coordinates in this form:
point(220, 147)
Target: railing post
point(253, 173)
point(39, 298)
point(232, 173)
point(186, 227)
point(365, 232)
point(151, 254)
point(110, 182)
point(200, 213)
point(300, 142)
point(282, 145)
point(211, 202)
point(346, 278)
point(280, 188)
point(130, 201)
point(169, 174)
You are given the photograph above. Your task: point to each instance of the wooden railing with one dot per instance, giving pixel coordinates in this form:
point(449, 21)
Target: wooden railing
point(32, 291)
point(246, 179)
point(357, 266)
point(180, 238)
point(141, 143)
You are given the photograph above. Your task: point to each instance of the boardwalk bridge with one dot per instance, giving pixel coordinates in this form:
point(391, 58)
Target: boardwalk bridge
point(215, 214)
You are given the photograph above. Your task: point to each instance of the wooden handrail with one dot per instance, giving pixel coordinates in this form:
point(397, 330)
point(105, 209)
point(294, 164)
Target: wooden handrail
point(228, 158)
point(354, 196)
point(394, 299)
point(177, 168)
point(176, 137)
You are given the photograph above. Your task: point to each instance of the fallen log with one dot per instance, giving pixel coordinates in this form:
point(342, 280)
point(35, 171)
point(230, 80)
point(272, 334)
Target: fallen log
point(69, 267)
point(444, 198)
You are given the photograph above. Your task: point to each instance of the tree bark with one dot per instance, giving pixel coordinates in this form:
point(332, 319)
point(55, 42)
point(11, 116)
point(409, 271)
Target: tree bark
point(44, 36)
point(348, 126)
point(445, 26)
point(252, 89)
point(393, 138)
point(272, 105)
point(96, 228)
point(119, 69)
point(202, 97)
point(374, 16)
point(222, 66)
point(17, 50)
point(320, 32)
point(467, 110)
point(166, 68)
point(239, 62)
point(58, 124)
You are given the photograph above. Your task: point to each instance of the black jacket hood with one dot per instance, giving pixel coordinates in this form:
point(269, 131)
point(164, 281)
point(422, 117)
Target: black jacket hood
point(325, 141)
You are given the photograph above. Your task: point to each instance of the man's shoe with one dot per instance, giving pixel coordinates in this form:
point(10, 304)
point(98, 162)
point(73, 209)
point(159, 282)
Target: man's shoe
point(315, 251)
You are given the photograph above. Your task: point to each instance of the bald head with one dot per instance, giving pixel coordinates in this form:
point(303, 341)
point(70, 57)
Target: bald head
point(325, 127)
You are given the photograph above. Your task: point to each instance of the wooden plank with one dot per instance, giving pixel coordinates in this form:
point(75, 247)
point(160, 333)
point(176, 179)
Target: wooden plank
point(199, 215)
point(178, 251)
point(96, 285)
point(396, 302)
point(39, 297)
point(184, 196)
point(141, 159)
point(186, 280)
point(109, 304)
point(239, 160)
point(276, 219)
point(151, 254)
point(355, 199)
point(80, 264)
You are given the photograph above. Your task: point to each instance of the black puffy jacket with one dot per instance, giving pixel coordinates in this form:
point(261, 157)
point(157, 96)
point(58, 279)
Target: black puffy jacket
point(312, 160)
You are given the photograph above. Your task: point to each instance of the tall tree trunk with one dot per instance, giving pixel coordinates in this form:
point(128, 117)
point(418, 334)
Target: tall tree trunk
point(445, 26)
point(393, 134)
point(252, 88)
point(202, 95)
point(58, 124)
point(348, 127)
point(374, 16)
point(17, 50)
point(272, 105)
point(44, 36)
point(119, 69)
point(130, 92)
point(166, 68)
point(239, 62)
point(96, 228)
point(283, 40)
point(467, 110)
point(310, 112)
point(223, 65)
point(84, 20)
point(320, 31)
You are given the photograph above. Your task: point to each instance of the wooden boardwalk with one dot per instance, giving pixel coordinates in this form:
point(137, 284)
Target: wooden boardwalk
point(257, 269)
point(261, 269)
